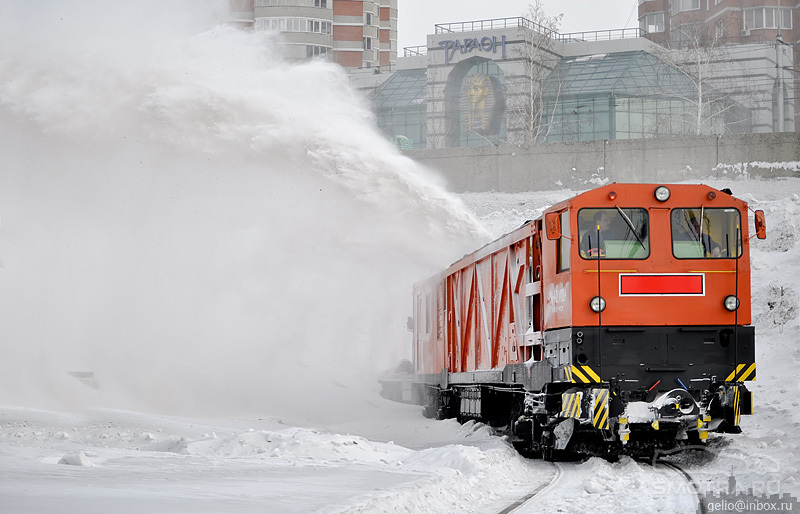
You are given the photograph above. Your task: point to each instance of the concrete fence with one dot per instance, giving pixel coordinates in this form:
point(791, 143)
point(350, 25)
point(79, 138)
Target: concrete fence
point(554, 165)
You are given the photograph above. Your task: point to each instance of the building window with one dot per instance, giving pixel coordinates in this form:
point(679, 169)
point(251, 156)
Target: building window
point(276, 24)
point(279, 3)
point(368, 20)
point(319, 26)
point(293, 25)
point(367, 43)
point(290, 3)
point(652, 22)
point(316, 51)
point(719, 30)
point(768, 18)
point(685, 5)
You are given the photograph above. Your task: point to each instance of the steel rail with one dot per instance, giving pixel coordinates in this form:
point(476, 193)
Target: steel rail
point(536, 492)
point(701, 504)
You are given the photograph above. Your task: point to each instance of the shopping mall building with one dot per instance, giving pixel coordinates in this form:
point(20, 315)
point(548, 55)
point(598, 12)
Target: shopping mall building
point(511, 81)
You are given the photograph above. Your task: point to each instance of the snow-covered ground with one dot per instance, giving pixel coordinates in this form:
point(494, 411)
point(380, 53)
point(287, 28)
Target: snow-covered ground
point(387, 457)
point(206, 260)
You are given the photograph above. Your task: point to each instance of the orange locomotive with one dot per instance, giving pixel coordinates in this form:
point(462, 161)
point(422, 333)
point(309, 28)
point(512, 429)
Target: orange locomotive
point(619, 322)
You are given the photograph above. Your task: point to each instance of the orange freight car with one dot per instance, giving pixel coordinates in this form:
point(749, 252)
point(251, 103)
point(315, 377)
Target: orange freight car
point(619, 322)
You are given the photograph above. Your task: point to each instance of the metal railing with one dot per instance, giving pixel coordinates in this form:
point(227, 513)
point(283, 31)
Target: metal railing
point(492, 24)
point(600, 35)
point(517, 22)
point(413, 51)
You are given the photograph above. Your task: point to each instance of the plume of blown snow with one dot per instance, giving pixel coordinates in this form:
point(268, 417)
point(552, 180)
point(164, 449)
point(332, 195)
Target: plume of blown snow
point(197, 223)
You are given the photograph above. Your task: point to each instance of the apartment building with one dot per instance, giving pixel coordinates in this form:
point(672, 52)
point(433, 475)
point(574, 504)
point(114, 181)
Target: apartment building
point(727, 28)
point(672, 23)
point(353, 33)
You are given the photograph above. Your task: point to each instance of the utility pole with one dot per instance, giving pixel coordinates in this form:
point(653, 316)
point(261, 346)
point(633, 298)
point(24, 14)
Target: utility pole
point(779, 69)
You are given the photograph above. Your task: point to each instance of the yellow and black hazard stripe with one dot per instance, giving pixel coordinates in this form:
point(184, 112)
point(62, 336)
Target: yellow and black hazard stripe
point(600, 409)
point(582, 375)
point(746, 371)
point(737, 407)
point(571, 405)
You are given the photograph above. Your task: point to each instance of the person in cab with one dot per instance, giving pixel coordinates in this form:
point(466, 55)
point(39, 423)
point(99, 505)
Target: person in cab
point(692, 230)
point(593, 243)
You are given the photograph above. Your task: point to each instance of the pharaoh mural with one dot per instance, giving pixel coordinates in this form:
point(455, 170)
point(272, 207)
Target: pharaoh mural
point(480, 109)
point(475, 104)
point(477, 99)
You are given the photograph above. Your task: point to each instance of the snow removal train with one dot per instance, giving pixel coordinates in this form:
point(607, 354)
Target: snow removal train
point(617, 323)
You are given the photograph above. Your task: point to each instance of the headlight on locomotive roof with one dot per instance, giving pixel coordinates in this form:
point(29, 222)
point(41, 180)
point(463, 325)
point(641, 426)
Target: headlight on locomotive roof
point(662, 193)
point(597, 304)
point(731, 303)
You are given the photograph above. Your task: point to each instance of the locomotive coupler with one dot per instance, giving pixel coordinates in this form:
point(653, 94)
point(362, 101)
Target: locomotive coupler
point(672, 412)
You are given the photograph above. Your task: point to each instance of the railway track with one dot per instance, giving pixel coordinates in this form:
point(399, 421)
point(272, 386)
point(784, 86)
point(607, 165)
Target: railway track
point(539, 490)
point(559, 471)
point(701, 504)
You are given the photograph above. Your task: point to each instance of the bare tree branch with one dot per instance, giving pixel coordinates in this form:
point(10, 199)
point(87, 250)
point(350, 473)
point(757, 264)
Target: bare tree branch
point(698, 54)
point(526, 97)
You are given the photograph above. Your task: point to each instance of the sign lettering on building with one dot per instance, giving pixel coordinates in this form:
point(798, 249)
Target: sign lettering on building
point(484, 44)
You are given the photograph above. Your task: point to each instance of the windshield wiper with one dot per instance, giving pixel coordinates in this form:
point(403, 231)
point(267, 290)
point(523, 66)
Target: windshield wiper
point(630, 225)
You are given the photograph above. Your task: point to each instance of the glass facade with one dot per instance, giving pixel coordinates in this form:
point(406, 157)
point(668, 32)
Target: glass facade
point(608, 96)
point(628, 95)
point(401, 107)
point(584, 118)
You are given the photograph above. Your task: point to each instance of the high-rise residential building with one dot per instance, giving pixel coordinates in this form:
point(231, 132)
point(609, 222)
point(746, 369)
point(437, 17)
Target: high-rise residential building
point(672, 22)
point(365, 33)
point(353, 33)
point(724, 28)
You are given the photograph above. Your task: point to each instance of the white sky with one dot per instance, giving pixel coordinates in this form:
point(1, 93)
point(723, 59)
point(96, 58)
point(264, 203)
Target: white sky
point(416, 18)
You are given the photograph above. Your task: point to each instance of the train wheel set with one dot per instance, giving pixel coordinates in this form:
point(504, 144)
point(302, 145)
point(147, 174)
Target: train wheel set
point(579, 421)
point(617, 323)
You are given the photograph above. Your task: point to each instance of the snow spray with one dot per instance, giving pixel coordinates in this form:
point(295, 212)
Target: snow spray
point(192, 224)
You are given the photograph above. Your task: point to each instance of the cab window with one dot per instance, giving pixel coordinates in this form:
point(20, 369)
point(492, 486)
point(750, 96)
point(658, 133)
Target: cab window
point(614, 233)
point(701, 233)
point(564, 243)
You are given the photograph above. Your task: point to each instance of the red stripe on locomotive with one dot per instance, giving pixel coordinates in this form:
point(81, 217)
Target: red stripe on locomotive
point(641, 284)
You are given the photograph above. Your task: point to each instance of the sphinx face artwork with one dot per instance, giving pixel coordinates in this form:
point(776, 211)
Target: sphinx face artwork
point(478, 103)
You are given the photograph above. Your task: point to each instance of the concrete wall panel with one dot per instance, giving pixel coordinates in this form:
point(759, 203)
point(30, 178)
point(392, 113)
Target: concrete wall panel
point(554, 165)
